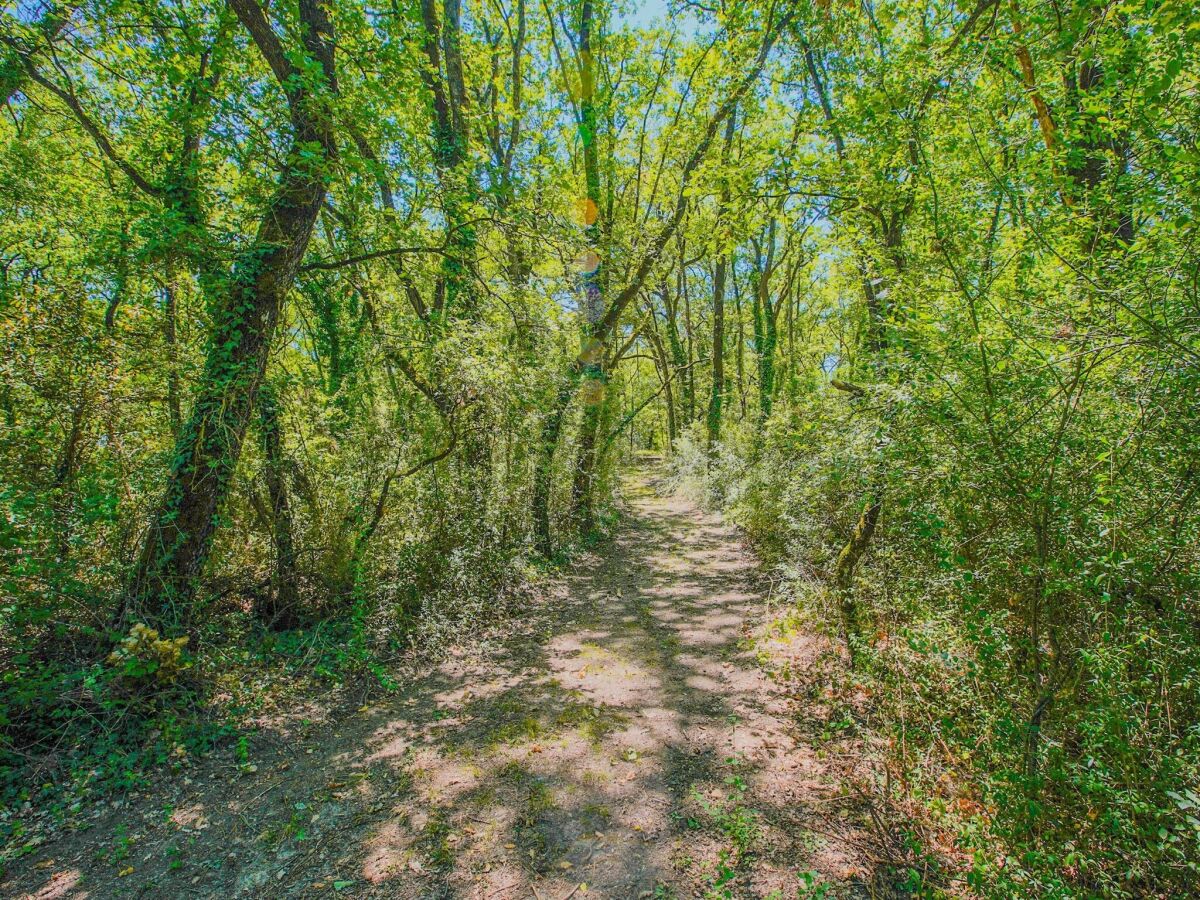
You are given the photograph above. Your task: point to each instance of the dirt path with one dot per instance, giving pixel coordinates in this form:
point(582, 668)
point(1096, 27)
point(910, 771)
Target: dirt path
point(627, 745)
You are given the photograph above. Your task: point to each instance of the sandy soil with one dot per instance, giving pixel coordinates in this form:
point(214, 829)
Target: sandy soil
point(626, 743)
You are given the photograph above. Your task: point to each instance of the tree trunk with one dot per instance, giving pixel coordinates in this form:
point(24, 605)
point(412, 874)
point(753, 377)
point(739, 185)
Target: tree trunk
point(688, 374)
point(843, 576)
point(441, 43)
point(718, 327)
point(766, 363)
point(582, 493)
point(281, 610)
point(178, 541)
point(170, 318)
point(595, 383)
point(663, 364)
point(740, 356)
point(678, 355)
point(543, 476)
point(718, 356)
point(552, 427)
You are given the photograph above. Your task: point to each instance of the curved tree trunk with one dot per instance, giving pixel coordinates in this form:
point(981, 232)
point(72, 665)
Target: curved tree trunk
point(177, 543)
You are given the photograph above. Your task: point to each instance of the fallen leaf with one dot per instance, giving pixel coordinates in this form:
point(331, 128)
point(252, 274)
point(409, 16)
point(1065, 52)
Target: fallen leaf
point(128, 870)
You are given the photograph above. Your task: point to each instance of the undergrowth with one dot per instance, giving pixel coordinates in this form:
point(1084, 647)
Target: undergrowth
point(1110, 803)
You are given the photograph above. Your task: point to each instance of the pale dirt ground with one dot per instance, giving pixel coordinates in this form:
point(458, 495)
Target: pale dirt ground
point(626, 743)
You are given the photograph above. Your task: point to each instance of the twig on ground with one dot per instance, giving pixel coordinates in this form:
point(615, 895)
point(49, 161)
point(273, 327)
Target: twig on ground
point(266, 790)
point(503, 887)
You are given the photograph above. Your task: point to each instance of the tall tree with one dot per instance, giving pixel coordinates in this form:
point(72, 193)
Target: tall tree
point(245, 317)
point(642, 270)
point(717, 395)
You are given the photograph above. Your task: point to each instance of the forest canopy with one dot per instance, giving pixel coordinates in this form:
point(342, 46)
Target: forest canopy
point(328, 327)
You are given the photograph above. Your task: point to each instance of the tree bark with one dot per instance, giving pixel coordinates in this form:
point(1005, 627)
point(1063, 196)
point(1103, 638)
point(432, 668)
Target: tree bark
point(716, 399)
point(667, 375)
point(595, 378)
point(843, 576)
point(179, 538)
point(543, 477)
point(170, 319)
point(281, 610)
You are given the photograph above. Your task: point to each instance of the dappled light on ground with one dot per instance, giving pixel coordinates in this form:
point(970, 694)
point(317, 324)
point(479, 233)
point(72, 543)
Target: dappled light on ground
point(633, 746)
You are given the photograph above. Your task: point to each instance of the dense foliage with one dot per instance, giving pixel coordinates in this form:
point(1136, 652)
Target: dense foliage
point(326, 324)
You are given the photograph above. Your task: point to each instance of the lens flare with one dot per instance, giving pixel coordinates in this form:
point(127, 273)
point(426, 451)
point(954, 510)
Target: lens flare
point(588, 262)
point(586, 211)
point(592, 392)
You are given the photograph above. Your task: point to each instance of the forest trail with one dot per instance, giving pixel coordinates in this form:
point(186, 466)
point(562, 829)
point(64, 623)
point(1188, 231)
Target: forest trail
point(626, 745)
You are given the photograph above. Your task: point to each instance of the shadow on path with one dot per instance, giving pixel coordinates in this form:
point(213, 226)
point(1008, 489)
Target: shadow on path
point(630, 744)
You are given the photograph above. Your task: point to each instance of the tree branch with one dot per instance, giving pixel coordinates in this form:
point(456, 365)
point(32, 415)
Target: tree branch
point(67, 96)
point(325, 265)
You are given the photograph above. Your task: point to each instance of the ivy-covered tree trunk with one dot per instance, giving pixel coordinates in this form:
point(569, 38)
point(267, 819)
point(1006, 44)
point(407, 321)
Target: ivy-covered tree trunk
point(717, 397)
point(178, 540)
point(595, 378)
point(766, 362)
point(455, 295)
point(443, 78)
point(763, 348)
point(843, 575)
point(679, 360)
point(739, 357)
point(688, 374)
point(582, 493)
point(715, 400)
